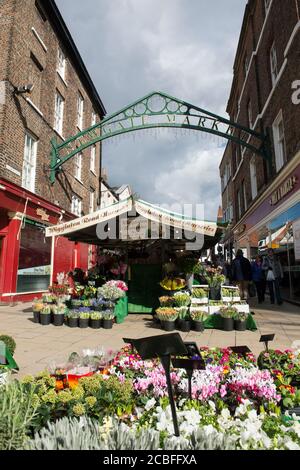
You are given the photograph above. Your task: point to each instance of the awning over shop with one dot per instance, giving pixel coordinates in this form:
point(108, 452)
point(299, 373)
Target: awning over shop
point(139, 213)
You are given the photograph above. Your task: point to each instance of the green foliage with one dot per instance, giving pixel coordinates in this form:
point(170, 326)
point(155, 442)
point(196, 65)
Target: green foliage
point(228, 312)
point(198, 315)
point(17, 412)
point(199, 293)
point(182, 300)
point(9, 343)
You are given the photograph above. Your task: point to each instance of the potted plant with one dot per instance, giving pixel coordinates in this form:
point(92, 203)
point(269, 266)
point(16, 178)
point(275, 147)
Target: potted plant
point(228, 314)
point(200, 294)
point(184, 323)
point(45, 315)
point(166, 301)
point(215, 279)
point(240, 321)
point(108, 319)
point(96, 320)
point(84, 318)
point(198, 316)
point(182, 299)
point(37, 306)
point(59, 314)
point(73, 318)
point(168, 317)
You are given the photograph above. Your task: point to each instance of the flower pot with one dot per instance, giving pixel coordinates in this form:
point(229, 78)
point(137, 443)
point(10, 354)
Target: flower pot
point(107, 324)
point(73, 322)
point(240, 325)
point(95, 324)
point(58, 320)
point(215, 293)
point(186, 326)
point(227, 324)
point(36, 317)
point(169, 325)
point(84, 322)
point(45, 319)
point(198, 326)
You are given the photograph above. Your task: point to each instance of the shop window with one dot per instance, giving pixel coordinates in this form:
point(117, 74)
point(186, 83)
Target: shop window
point(279, 142)
point(34, 260)
point(29, 163)
point(59, 113)
point(273, 64)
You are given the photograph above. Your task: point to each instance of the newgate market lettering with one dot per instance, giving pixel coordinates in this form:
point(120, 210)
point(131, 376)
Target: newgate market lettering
point(285, 189)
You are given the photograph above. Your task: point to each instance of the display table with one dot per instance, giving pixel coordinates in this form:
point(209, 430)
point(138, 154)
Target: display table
point(215, 322)
point(121, 310)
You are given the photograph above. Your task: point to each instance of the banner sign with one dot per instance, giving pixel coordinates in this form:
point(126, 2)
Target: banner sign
point(296, 232)
point(103, 215)
point(175, 220)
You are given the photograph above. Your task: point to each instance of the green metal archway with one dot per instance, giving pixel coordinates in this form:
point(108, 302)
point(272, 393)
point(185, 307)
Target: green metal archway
point(157, 110)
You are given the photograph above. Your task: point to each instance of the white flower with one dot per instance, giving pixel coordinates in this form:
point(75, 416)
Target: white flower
point(150, 404)
point(225, 413)
point(212, 405)
point(290, 445)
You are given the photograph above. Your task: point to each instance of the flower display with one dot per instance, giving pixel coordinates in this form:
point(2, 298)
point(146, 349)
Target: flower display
point(110, 292)
point(119, 284)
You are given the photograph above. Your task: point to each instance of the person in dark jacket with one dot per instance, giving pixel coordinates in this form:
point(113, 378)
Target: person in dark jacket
point(274, 274)
point(241, 273)
point(258, 277)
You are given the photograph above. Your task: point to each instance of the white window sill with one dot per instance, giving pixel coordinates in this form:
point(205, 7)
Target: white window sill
point(79, 181)
point(62, 78)
point(38, 37)
point(28, 100)
point(94, 173)
point(59, 134)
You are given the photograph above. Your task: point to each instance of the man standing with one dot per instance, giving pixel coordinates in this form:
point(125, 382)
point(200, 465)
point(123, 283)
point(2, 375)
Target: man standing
point(258, 276)
point(274, 274)
point(241, 273)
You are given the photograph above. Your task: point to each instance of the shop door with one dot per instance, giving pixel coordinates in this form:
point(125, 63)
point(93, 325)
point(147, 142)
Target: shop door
point(144, 288)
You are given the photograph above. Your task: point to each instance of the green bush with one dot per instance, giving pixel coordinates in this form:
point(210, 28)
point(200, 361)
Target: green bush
point(9, 343)
point(17, 412)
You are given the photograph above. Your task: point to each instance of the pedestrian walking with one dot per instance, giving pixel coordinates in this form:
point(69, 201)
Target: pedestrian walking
point(274, 274)
point(259, 279)
point(241, 273)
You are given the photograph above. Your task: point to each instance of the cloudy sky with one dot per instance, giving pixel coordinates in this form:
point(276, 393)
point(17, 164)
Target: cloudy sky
point(184, 48)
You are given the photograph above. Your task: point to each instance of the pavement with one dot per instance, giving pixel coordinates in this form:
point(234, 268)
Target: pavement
point(39, 346)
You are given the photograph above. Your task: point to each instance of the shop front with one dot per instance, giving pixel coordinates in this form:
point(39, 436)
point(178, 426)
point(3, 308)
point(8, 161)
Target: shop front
point(275, 223)
point(29, 261)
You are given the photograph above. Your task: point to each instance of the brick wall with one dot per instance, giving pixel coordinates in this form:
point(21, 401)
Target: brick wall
point(256, 89)
point(27, 58)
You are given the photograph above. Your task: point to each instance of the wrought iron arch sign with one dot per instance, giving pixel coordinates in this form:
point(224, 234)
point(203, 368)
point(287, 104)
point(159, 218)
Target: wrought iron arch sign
point(157, 110)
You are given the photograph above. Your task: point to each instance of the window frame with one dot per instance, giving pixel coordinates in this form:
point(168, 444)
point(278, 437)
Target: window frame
point(78, 166)
point(273, 64)
point(59, 119)
point(32, 163)
point(279, 142)
point(76, 207)
point(61, 71)
point(80, 111)
point(253, 178)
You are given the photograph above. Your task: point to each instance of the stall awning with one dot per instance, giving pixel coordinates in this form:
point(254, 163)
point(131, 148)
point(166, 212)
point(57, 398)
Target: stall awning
point(84, 228)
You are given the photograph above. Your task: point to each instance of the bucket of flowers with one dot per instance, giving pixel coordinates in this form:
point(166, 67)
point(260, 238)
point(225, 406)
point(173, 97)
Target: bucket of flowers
point(84, 317)
point(200, 294)
point(166, 301)
point(96, 320)
point(108, 319)
point(198, 316)
point(215, 279)
point(73, 318)
point(228, 315)
point(240, 321)
point(168, 317)
point(37, 307)
point(59, 311)
point(45, 315)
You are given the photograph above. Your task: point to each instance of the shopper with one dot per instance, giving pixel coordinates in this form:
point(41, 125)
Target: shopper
point(258, 277)
point(274, 274)
point(241, 273)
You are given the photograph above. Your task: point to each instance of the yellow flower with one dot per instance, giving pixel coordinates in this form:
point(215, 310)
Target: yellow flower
point(91, 401)
point(79, 409)
point(50, 397)
point(65, 396)
point(35, 401)
point(78, 393)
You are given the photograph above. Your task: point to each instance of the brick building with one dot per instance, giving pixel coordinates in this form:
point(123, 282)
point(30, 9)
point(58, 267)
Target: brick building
point(45, 93)
point(261, 199)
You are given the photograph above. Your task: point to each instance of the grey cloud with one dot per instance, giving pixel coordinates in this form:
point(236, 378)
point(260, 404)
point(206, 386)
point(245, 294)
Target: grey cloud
point(182, 47)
